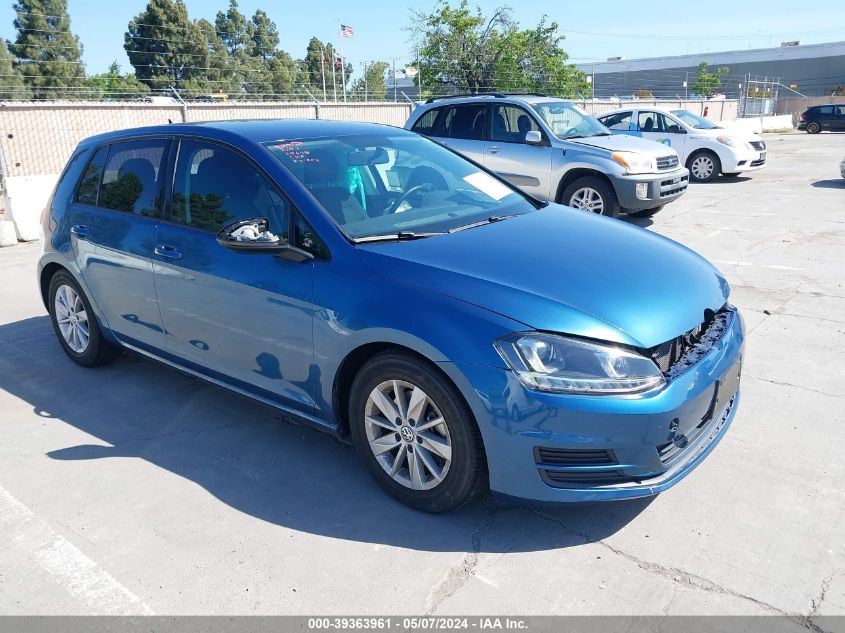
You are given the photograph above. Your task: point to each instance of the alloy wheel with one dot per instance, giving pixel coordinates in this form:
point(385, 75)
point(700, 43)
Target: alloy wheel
point(72, 319)
point(587, 199)
point(408, 435)
point(702, 167)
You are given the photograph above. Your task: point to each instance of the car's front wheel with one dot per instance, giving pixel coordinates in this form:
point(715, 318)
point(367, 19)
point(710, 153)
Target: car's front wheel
point(590, 193)
point(415, 433)
point(704, 166)
point(813, 128)
point(75, 324)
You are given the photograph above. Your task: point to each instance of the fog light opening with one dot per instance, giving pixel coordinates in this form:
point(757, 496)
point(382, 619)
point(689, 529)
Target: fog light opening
point(642, 190)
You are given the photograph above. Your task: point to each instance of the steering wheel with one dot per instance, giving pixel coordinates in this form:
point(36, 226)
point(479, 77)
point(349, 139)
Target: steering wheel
point(572, 129)
point(426, 186)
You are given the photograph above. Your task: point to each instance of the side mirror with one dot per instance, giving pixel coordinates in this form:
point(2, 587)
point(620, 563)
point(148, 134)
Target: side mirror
point(534, 137)
point(251, 235)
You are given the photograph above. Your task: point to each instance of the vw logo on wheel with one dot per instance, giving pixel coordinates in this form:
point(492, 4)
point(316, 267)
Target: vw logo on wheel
point(406, 433)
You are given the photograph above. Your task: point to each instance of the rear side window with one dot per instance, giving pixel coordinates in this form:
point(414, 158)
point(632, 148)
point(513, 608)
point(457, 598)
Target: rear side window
point(618, 121)
point(825, 110)
point(89, 185)
point(465, 121)
point(425, 124)
point(133, 177)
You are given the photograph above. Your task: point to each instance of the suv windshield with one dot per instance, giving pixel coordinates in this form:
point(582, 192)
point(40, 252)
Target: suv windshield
point(695, 121)
point(567, 120)
point(400, 185)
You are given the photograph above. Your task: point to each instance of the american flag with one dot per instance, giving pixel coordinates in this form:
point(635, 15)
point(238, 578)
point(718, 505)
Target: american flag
point(346, 31)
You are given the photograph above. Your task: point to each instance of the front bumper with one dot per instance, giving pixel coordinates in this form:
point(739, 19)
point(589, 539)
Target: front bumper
point(742, 160)
point(653, 440)
point(842, 168)
point(661, 188)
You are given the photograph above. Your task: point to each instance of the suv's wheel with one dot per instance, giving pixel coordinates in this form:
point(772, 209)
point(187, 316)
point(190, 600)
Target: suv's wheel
point(704, 166)
point(75, 325)
point(593, 194)
point(813, 127)
point(415, 433)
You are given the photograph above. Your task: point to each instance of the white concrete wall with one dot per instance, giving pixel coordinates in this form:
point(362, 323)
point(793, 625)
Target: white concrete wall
point(26, 197)
point(758, 125)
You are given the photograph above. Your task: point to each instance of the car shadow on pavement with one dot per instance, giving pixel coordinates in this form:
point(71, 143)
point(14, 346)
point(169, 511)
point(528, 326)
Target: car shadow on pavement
point(830, 183)
point(642, 222)
point(248, 457)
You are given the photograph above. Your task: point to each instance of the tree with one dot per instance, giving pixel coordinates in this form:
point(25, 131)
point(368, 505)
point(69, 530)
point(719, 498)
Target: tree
point(708, 83)
point(166, 48)
point(48, 54)
point(12, 84)
point(371, 86)
point(265, 36)
point(322, 58)
point(643, 93)
point(465, 51)
point(234, 29)
point(114, 85)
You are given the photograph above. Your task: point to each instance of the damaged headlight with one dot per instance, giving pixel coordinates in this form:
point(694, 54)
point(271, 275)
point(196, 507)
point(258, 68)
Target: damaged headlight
point(558, 364)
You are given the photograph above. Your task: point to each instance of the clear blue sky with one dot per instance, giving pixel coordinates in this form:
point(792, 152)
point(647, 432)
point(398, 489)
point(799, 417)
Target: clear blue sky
point(616, 28)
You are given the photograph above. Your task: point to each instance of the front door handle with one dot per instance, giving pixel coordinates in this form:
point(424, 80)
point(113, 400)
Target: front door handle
point(81, 231)
point(493, 150)
point(168, 252)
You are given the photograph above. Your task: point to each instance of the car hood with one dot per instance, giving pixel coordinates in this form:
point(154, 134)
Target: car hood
point(742, 135)
point(562, 270)
point(625, 143)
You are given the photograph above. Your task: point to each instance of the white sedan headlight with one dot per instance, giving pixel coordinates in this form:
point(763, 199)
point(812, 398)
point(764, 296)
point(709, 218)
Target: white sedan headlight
point(559, 364)
point(635, 163)
point(728, 140)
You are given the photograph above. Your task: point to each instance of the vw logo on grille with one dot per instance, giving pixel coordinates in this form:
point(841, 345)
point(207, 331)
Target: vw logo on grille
point(406, 433)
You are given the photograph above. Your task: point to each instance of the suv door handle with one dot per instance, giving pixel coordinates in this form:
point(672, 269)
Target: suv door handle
point(493, 150)
point(168, 252)
point(81, 231)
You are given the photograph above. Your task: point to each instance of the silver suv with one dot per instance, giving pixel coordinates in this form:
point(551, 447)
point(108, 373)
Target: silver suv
point(554, 150)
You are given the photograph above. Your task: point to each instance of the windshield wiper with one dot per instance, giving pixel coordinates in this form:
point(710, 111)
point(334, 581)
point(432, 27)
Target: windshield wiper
point(393, 237)
point(492, 219)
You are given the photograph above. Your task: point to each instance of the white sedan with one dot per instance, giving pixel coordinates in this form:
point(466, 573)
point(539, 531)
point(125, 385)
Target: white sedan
point(706, 148)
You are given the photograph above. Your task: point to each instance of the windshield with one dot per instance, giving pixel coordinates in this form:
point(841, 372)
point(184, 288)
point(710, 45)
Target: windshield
point(567, 120)
point(390, 184)
point(695, 121)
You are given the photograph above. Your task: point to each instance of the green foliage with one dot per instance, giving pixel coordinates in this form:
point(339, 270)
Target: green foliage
point(708, 82)
point(317, 51)
point(12, 84)
point(114, 85)
point(49, 56)
point(371, 86)
point(464, 50)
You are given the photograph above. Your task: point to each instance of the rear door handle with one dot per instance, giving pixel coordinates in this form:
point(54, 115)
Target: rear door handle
point(81, 231)
point(168, 252)
point(493, 150)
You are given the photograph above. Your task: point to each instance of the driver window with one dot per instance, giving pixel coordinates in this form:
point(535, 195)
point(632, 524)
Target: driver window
point(214, 187)
point(511, 124)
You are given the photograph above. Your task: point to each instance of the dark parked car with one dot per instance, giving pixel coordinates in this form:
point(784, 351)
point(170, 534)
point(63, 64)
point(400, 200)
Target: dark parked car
point(375, 284)
point(823, 117)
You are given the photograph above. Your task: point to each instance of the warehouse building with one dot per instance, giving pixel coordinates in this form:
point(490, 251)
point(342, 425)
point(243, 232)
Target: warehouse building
point(812, 69)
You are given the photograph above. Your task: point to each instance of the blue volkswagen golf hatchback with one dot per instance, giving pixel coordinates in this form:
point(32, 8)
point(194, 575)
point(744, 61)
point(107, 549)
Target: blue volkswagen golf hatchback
point(375, 284)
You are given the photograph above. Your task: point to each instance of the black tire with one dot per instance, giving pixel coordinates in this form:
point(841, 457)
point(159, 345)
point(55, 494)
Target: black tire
point(646, 213)
point(714, 160)
point(99, 350)
point(467, 472)
point(813, 127)
point(610, 203)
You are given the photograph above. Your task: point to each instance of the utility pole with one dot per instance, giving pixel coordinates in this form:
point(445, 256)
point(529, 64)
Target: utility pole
point(394, 79)
point(323, 69)
point(366, 84)
point(419, 74)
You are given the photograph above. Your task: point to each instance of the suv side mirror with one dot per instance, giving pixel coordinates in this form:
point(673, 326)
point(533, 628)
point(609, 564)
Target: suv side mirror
point(251, 235)
point(534, 137)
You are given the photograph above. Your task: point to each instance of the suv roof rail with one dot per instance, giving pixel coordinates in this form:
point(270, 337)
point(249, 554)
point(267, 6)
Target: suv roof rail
point(495, 95)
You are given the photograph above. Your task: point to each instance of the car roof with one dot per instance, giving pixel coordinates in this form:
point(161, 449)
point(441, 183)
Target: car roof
point(640, 107)
point(255, 130)
point(492, 96)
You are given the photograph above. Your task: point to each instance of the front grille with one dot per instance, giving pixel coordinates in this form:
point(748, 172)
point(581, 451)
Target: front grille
point(758, 162)
point(676, 355)
point(573, 457)
point(671, 188)
point(758, 145)
point(564, 480)
point(667, 162)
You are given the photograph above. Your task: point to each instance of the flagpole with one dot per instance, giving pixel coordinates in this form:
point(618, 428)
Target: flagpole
point(334, 75)
point(323, 69)
point(342, 61)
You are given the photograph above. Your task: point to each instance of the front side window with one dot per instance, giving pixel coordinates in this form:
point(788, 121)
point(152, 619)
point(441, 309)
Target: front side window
point(133, 177)
point(392, 183)
point(511, 124)
point(214, 186)
point(567, 120)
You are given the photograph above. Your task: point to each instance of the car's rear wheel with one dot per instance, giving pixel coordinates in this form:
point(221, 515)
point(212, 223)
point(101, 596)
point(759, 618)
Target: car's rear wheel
point(415, 433)
point(75, 324)
point(704, 166)
point(646, 213)
point(813, 128)
point(592, 194)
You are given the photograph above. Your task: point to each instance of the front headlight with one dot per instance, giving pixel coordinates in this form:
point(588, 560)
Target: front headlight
point(635, 163)
point(727, 140)
point(549, 362)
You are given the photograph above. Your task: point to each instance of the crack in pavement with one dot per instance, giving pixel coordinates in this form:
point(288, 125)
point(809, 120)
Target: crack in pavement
point(789, 384)
point(459, 574)
point(816, 603)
